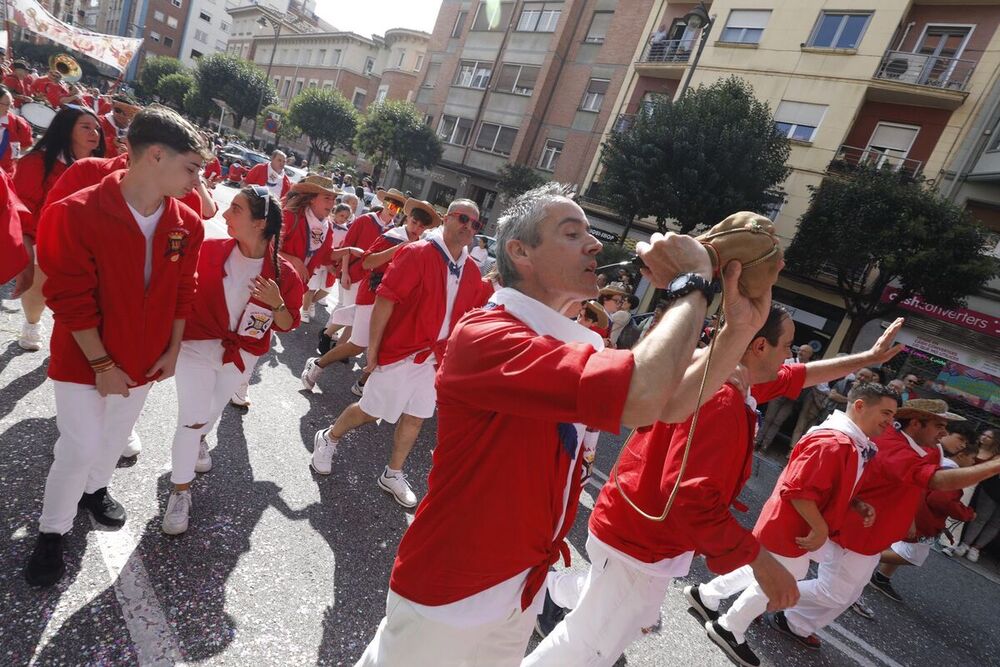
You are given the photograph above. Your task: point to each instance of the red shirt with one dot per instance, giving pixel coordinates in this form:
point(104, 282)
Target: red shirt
point(213, 168)
point(209, 318)
point(235, 173)
point(53, 91)
point(19, 131)
point(94, 254)
point(110, 136)
point(718, 467)
point(894, 484)
point(416, 283)
point(19, 87)
point(365, 295)
point(258, 176)
point(361, 234)
point(32, 186)
point(496, 488)
point(823, 467)
point(13, 256)
point(295, 241)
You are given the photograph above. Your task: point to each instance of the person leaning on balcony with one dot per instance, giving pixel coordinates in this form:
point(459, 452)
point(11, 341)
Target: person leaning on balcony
point(658, 43)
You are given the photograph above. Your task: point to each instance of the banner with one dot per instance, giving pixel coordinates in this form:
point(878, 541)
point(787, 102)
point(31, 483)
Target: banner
point(111, 50)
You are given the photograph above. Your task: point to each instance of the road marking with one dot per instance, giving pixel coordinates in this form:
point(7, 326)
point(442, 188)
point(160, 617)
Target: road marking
point(847, 634)
point(845, 649)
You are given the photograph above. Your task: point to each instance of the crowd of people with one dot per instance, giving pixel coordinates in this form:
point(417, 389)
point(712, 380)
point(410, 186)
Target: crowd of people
point(525, 363)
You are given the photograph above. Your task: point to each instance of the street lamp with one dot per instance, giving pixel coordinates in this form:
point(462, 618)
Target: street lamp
point(695, 19)
point(275, 24)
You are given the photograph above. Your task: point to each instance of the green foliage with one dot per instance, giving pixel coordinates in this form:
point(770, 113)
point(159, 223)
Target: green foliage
point(326, 117)
point(237, 82)
point(697, 160)
point(199, 106)
point(395, 130)
point(173, 88)
point(286, 128)
point(155, 68)
point(876, 227)
point(516, 179)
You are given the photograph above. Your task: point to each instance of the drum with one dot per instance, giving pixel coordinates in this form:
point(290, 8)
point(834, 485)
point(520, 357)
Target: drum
point(38, 115)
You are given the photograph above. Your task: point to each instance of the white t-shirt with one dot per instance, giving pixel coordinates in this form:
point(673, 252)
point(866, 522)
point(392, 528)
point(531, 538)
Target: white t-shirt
point(238, 272)
point(147, 224)
point(318, 229)
point(479, 255)
point(274, 181)
point(451, 282)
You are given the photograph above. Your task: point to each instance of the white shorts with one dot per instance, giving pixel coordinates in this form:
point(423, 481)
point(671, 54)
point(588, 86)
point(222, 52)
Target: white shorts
point(402, 388)
point(915, 552)
point(343, 314)
point(361, 326)
point(318, 280)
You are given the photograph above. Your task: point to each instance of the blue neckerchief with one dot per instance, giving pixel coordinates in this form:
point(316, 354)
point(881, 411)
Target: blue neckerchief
point(868, 452)
point(567, 436)
point(453, 268)
point(5, 142)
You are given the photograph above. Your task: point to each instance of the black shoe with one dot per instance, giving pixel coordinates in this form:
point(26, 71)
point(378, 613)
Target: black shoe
point(106, 510)
point(778, 622)
point(863, 610)
point(550, 617)
point(46, 566)
point(883, 585)
point(739, 653)
point(694, 599)
point(325, 343)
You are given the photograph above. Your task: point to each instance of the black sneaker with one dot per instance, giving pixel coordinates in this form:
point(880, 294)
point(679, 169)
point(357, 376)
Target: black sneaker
point(778, 622)
point(739, 653)
point(694, 599)
point(550, 617)
point(46, 566)
point(106, 510)
point(883, 585)
point(325, 343)
point(863, 610)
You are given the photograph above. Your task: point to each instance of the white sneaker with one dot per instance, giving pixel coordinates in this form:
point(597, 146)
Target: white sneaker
point(358, 389)
point(204, 462)
point(305, 315)
point(240, 397)
point(312, 310)
point(310, 374)
point(175, 519)
point(956, 551)
point(973, 555)
point(133, 446)
point(398, 487)
point(31, 337)
point(324, 447)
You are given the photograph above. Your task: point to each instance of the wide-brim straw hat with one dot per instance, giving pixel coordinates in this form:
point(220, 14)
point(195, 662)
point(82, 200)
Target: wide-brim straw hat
point(315, 184)
point(598, 310)
point(615, 288)
point(394, 195)
point(424, 206)
point(927, 407)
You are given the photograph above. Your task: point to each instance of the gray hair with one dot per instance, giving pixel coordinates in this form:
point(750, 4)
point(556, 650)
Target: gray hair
point(522, 221)
point(277, 153)
point(468, 203)
point(349, 196)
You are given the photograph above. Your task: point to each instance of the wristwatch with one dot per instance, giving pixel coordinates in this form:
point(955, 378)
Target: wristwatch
point(279, 308)
point(686, 283)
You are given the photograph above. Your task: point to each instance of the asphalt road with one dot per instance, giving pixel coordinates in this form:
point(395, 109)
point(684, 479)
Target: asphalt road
point(282, 567)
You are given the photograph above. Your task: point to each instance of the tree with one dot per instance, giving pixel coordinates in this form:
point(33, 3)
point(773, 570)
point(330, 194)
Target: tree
point(199, 106)
point(516, 179)
point(697, 160)
point(873, 228)
point(155, 68)
point(396, 130)
point(173, 88)
point(286, 128)
point(237, 82)
point(326, 117)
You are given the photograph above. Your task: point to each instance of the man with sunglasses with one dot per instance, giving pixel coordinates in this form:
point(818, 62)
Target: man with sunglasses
point(271, 175)
point(116, 122)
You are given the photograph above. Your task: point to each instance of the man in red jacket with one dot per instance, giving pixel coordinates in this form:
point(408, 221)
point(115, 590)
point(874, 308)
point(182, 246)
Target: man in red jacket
point(15, 133)
point(116, 122)
point(271, 175)
point(120, 259)
point(20, 82)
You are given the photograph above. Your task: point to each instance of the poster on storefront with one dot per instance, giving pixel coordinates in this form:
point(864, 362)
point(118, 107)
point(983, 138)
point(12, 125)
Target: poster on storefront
point(111, 50)
point(970, 385)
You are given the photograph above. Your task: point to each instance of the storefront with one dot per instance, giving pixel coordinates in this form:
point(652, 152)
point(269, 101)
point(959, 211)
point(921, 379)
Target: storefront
point(816, 322)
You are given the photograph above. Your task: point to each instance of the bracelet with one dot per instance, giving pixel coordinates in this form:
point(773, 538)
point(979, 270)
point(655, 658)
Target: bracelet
point(107, 366)
point(94, 363)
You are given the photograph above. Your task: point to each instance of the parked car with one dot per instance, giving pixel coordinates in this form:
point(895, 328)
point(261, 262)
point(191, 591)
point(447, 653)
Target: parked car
point(295, 174)
point(248, 157)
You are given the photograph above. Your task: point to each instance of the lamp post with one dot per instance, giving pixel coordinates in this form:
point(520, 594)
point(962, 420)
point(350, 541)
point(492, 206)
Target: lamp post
point(695, 19)
point(275, 24)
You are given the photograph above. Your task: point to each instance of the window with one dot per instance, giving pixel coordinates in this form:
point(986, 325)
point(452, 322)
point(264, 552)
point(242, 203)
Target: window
point(288, 84)
point(381, 94)
point(837, 30)
point(177, 3)
point(994, 145)
point(168, 42)
point(517, 79)
point(455, 130)
point(496, 138)
point(539, 17)
point(207, 18)
point(420, 63)
point(550, 155)
point(599, 27)
point(159, 16)
point(594, 97)
point(195, 54)
point(402, 57)
point(336, 57)
point(171, 22)
point(200, 36)
point(359, 99)
point(298, 86)
point(428, 120)
point(433, 70)
point(745, 26)
point(369, 65)
point(482, 20)
point(798, 120)
point(473, 74)
point(322, 57)
point(220, 45)
point(155, 36)
point(225, 27)
point(891, 142)
point(456, 30)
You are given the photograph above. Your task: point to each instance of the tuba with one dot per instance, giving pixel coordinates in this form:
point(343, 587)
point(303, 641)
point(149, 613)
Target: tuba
point(68, 69)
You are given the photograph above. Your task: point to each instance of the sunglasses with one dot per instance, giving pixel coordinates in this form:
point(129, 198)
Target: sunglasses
point(476, 223)
point(264, 194)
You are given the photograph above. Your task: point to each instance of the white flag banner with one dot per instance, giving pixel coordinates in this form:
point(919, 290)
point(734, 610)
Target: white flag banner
point(111, 50)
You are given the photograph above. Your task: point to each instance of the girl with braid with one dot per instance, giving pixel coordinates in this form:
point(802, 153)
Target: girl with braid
point(244, 290)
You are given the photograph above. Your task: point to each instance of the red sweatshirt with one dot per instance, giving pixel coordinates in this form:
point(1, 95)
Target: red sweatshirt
point(32, 186)
point(939, 506)
point(295, 241)
point(110, 137)
point(258, 176)
point(18, 131)
point(365, 295)
point(13, 256)
point(361, 234)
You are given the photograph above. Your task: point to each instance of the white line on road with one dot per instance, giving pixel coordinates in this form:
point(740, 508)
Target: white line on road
point(847, 634)
point(845, 649)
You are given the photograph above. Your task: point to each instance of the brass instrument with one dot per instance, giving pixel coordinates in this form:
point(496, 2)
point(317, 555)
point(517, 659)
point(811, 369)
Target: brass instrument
point(68, 69)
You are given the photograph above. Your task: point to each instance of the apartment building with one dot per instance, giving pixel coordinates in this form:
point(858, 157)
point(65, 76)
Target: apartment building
point(207, 30)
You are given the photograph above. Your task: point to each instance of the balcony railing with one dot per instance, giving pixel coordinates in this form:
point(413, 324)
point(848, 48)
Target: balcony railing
point(851, 157)
point(925, 70)
point(668, 51)
point(624, 122)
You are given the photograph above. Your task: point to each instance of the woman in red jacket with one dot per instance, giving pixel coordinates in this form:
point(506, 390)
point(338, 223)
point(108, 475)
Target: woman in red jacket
point(244, 290)
point(75, 133)
point(307, 237)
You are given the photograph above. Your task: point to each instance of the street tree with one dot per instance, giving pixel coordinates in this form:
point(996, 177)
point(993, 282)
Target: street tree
point(155, 68)
point(698, 159)
point(237, 82)
point(199, 106)
point(326, 117)
point(395, 130)
point(286, 128)
point(419, 148)
point(513, 180)
point(873, 228)
point(173, 88)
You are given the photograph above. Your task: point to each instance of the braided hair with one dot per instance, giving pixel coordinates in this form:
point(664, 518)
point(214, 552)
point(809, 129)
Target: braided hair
point(272, 222)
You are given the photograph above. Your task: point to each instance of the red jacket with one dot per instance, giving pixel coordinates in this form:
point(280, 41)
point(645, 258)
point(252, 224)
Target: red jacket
point(823, 467)
point(416, 283)
point(935, 510)
point(361, 234)
point(18, 87)
point(110, 136)
point(258, 176)
point(19, 131)
point(13, 256)
point(213, 168)
point(295, 241)
point(365, 295)
point(718, 467)
point(32, 186)
point(894, 483)
point(235, 173)
point(52, 91)
point(209, 318)
point(504, 396)
point(93, 253)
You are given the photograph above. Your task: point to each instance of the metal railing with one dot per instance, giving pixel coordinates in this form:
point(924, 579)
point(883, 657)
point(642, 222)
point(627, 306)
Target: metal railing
point(669, 51)
point(624, 122)
point(849, 157)
point(925, 70)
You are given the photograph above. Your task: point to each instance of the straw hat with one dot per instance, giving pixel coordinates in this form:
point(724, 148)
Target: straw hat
point(615, 288)
point(927, 407)
point(598, 310)
point(394, 195)
point(424, 206)
point(315, 184)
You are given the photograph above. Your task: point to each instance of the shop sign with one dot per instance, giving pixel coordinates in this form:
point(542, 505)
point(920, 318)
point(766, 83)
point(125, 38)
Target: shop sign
point(963, 317)
point(944, 350)
point(603, 236)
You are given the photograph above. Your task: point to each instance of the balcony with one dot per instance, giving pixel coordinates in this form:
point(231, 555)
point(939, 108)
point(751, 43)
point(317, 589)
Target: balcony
point(624, 122)
point(849, 158)
point(666, 59)
point(922, 80)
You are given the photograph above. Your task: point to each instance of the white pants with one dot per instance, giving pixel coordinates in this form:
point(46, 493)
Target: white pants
point(401, 388)
point(405, 637)
point(617, 602)
point(318, 279)
point(204, 386)
point(752, 601)
point(92, 432)
point(842, 577)
point(361, 325)
point(343, 314)
point(914, 552)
